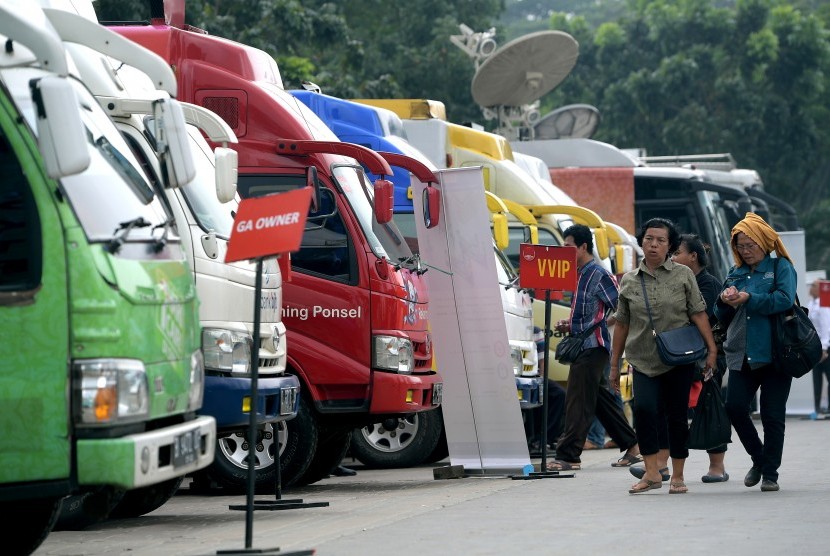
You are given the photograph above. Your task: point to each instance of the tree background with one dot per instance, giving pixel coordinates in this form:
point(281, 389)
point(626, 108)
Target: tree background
point(748, 77)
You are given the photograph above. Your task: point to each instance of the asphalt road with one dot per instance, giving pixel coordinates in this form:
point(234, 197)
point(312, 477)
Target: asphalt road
point(407, 512)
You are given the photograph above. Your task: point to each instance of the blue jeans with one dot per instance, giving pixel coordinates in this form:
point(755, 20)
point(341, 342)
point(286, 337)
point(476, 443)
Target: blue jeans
point(775, 389)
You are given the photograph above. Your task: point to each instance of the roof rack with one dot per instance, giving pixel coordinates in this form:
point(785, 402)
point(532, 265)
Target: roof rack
point(721, 161)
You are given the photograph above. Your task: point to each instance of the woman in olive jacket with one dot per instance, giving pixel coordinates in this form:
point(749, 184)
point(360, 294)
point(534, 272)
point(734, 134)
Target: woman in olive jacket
point(757, 288)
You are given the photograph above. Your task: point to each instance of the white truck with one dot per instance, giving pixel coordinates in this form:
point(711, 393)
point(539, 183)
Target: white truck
point(203, 211)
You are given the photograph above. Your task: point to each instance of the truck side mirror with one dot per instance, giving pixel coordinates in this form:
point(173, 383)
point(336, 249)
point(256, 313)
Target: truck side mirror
point(431, 201)
point(312, 181)
point(384, 201)
point(61, 134)
point(227, 172)
point(172, 143)
point(500, 233)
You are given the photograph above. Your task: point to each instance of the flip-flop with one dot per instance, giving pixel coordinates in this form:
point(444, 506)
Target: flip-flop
point(648, 485)
point(678, 487)
point(627, 460)
point(560, 465)
point(640, 472)
point(708, 478)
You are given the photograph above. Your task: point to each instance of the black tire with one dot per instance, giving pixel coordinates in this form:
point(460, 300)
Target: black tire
point(332, 445)
point(442, 450)
point(404, 442)
point(144, 500)
point(297, 450)
point(84, 510)
point(28, 523)
point(229, 469)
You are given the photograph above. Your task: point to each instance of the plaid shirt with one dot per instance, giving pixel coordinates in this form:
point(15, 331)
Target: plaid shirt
point(596, 291)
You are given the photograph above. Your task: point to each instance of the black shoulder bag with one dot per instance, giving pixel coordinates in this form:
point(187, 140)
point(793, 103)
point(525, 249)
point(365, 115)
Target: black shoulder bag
point(796, 347)
point(679, 346)
point(570, 347)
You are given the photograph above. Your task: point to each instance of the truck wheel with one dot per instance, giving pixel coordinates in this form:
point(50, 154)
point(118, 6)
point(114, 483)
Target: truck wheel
point(402, 442)
point(28, 523)
point(297, 450)
point(332, 445)
point(144, 500)
point(83, 510)
point(230, 464)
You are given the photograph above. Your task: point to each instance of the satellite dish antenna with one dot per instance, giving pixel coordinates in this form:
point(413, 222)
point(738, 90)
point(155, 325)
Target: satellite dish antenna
point(578, 121)
point(525, 69)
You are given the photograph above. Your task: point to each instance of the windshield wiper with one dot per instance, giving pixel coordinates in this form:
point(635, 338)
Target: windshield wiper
point(511, 283)
point(123, 230)
point(412, 263)
point(158, 244)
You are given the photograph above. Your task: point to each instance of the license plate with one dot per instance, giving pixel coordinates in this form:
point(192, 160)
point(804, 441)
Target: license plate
point(186, 448)
point(437, 393)
point(288, 399)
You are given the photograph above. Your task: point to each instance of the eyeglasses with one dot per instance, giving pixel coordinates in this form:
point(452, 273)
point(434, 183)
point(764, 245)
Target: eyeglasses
point(745, 246)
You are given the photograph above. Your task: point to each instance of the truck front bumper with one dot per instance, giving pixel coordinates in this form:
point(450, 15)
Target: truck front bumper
point(227, 399)
point(147, 458)
point(396, 393)
point(529, 390)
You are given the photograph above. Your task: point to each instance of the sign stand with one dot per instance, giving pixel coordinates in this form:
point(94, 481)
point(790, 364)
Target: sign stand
point(548, 268)
point(265, 226)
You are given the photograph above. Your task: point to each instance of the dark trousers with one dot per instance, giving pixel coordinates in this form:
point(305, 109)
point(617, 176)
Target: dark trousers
point(775, 389)
point(587, 397)
point(819, 371)
point(662, 401)
point(555, 404)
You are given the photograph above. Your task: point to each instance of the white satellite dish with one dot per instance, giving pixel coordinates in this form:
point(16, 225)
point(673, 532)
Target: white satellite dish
point(577, 121)
point(525, 69)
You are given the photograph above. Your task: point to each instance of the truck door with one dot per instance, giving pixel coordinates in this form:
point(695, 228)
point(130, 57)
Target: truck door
point(34, 435)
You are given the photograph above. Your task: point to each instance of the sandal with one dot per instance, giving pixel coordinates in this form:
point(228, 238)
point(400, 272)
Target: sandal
point(678, 487)
point(560, 465)
point(644, 486)
point(627, 460)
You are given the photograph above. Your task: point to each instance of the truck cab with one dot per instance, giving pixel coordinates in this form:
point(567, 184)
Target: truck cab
point(203, 210)
point(356, 306)
point(103, 388)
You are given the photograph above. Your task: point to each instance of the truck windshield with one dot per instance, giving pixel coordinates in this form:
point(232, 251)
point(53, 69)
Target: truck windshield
point(102, 203)
point(385, 240)
point(200, 194)
point(714, 212)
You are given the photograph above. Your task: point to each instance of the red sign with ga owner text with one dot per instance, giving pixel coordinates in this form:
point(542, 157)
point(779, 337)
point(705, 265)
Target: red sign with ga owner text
point(545, 267)
point(269, 225)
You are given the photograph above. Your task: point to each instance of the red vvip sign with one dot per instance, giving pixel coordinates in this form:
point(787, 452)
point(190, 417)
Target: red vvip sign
point(545, 267)
point(268, 225)
point(824, 293)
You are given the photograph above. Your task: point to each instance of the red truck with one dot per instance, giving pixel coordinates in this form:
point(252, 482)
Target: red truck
point(356, 304)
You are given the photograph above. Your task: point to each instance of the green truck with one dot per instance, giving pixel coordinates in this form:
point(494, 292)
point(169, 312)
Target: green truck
point(100, 387)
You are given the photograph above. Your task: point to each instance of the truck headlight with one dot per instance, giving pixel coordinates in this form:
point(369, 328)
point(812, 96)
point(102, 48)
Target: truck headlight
point(197, 381)
point(516, 358)
point(110, 390)
point(393, 354)
point(227, 351)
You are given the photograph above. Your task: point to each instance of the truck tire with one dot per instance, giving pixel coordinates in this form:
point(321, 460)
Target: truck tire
point(441, 450)
point(28, 523)
point(332, 445)
point(229, 469)
point(84, 510)
point(395, 443)
point(297, 451)
point(144, 500)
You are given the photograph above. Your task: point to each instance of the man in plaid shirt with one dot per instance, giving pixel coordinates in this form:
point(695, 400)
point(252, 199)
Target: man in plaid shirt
point(588, 394)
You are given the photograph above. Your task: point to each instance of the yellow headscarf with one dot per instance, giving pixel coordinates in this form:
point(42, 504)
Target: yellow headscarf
point(761, 233)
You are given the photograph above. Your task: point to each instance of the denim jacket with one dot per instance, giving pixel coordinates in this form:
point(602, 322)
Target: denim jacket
point(764, 301)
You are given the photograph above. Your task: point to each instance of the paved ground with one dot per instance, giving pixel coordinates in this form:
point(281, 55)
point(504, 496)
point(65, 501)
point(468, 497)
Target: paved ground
point(407, 512)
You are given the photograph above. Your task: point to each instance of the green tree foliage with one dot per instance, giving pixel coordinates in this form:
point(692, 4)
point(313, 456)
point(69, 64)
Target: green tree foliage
point(686, 76)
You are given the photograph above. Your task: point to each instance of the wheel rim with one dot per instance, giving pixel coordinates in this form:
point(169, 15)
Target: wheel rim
point(234, 447)
point(389, 438)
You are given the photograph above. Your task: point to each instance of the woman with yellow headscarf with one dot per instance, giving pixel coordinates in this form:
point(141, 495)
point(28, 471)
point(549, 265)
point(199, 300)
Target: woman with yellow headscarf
point(757, 287)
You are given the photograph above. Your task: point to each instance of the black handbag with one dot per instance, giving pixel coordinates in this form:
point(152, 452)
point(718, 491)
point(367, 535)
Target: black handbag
point(796, 347)
point(570, 347)
point(710, 425)
point(679, 346)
